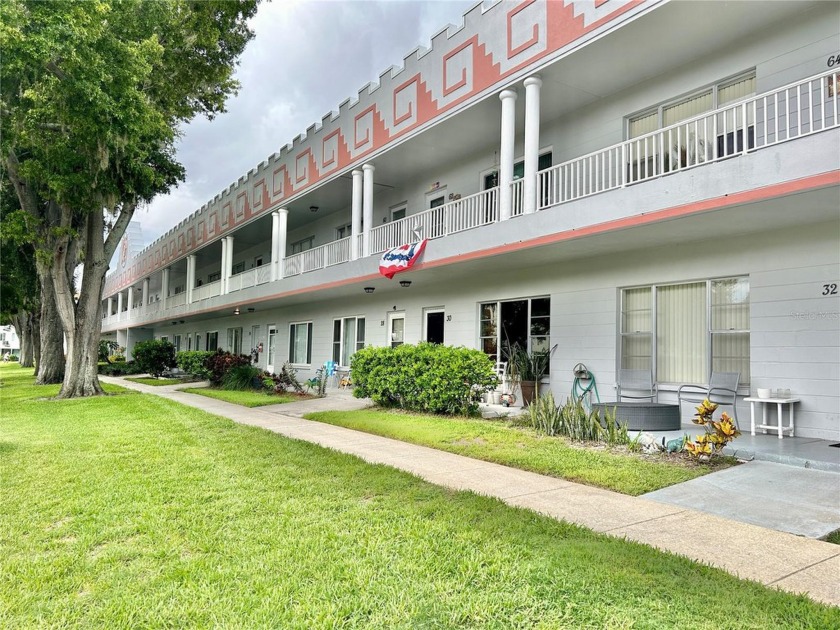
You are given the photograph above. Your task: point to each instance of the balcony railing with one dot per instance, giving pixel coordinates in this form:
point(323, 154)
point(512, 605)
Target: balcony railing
point(793, 111)
point(458, 215)
point(790, 112)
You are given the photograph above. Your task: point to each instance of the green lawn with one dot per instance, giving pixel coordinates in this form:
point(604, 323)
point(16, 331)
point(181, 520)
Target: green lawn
point(132, 511)
point(155, 382)
point(244, 398)
point(505, 443)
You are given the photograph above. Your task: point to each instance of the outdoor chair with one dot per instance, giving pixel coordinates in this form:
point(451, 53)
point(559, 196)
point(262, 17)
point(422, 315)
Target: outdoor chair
point(636, 385)
point(721, 390)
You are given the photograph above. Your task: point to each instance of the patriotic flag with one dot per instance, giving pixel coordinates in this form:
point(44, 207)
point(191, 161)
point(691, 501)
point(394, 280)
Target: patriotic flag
point(400, 258)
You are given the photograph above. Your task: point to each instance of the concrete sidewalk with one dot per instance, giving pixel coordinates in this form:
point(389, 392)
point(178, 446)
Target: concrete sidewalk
point(773, 558)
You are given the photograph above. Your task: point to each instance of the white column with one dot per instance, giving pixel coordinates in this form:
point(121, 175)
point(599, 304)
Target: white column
point(110, 305)
point(164, 288)
point(190, 277)
point(222, 267)
point(146, 295)
point(275, 237)
point(282, 232)
point(119, 305)
point(532, 143)
point(227, 271)
point(367, 206)
point(130, 300)
point(356, 214)
point(506, 148)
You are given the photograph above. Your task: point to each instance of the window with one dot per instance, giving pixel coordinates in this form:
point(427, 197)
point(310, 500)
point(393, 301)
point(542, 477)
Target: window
point(525, 323)
point(683, 332)
point(704, 100)
point(237, 268)
point(176, 341)
point(212, 341)
point(258, 261)
point(398, 213)
point(217, 275)
point(197, 342)
point(234, 340)
point(303, 244)
point(189, 342)
point(348, 336)
point(491, 180)
point(300, 343)
point(343, 231)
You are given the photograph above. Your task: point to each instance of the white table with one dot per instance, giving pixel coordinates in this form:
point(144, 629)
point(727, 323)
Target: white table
point(780, 403)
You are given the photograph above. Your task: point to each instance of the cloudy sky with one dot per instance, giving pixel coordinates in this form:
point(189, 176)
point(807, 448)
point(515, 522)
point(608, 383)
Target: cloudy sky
point(307, 57)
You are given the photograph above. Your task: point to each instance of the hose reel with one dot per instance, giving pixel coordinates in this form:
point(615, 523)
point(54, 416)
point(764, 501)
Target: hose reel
point(584, 385)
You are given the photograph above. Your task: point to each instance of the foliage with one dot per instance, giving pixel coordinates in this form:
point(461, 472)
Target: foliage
point(575, 422)
point(93, 97)
point(318, 383)
point(193, 362)
point(427, 377)
point(527, 366)
point(12, 357)
point(155, 382)
point(286, 379)
point(155, 356)
point(243, 377)
point(718, 434)
point(107, 349)
point(120, 368)
point(221, 362)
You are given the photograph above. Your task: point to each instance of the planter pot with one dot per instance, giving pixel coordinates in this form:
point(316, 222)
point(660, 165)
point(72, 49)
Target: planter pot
point(528, 388)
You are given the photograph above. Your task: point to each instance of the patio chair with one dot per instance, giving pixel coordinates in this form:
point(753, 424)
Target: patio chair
point(721, 390)
point(636, 385)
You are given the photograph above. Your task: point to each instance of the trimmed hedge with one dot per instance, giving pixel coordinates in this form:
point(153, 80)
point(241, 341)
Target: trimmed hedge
point(120, 368)
point(193, 362)
point(427, 377)
point(219, 363)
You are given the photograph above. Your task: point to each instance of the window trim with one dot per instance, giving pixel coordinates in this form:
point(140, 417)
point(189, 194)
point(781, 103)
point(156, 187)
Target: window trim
point(709, 332)
point(309, 329)
point(340, 341)
point(207, 340)
point(498, 303)
point(300, 242)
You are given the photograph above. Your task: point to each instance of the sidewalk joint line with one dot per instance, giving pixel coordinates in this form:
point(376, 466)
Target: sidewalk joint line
point(647, 520)
point(800, 570)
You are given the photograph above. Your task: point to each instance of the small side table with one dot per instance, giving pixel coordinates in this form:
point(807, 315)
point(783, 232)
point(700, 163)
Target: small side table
point(780, 403)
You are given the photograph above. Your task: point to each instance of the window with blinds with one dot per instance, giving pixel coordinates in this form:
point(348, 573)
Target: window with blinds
point(674, 111)
point(683, 332)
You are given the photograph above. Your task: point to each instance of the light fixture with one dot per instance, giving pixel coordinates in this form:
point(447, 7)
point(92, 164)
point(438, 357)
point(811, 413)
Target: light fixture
point(405, 283)
point(251, 309)
point(313, 208)
point(236, 311)
point(370, 289)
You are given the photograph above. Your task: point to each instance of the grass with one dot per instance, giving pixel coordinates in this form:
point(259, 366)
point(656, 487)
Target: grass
point(834, 537)
point(244, 398)
point(134, 511)
point(156, 382)
point(505, 443)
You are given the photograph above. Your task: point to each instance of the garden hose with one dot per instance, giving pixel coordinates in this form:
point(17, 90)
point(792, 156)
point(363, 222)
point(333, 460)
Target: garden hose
point(583, 392)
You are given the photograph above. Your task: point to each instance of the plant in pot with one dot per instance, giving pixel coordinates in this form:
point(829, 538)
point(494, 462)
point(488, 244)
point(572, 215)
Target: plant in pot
point(526, 369)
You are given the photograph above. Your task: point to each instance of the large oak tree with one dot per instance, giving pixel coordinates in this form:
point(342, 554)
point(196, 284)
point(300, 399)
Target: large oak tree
point(93, 95)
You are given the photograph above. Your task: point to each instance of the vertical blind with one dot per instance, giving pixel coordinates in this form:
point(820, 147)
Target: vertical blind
point(681, 333)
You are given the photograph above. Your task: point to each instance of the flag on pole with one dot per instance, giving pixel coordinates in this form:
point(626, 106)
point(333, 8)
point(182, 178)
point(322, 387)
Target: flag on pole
point(400, 258)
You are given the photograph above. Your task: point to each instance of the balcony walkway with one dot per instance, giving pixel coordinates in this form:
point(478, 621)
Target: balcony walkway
point(773, 558)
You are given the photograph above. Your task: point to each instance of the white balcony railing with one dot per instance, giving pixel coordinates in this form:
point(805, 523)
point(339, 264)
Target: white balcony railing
point(212, 289)
point(179, 299)
point(456, 216)
point(517, 186)
point(790, 112)
point(317, 258)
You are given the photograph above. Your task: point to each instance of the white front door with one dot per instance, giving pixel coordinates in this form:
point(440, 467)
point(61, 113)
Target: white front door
point(272, 339)
point(396, 329)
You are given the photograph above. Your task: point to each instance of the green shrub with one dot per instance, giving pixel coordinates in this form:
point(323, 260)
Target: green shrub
point(575, 422)
point(243, 378)
point(286, 379)
point(156, 356)
point(193, 362)
point(427, 377)
point(120, 368)
point(13, 357)
point(107, 349)
point(220, 363)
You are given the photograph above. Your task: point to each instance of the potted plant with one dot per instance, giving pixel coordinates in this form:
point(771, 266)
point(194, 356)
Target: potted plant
point(526, 369)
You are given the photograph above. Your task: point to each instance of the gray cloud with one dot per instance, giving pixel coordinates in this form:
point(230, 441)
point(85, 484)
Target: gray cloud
point(307, 57)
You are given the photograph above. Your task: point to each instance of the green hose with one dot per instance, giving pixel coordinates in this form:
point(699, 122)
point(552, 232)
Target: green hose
point(583, 393)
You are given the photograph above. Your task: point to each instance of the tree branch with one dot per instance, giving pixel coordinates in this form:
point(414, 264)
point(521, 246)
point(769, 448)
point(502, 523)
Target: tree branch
point(116, 233)
point(52, 66)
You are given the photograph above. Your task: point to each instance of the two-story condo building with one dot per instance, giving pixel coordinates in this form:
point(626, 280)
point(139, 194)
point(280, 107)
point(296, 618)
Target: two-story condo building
point(650, 185)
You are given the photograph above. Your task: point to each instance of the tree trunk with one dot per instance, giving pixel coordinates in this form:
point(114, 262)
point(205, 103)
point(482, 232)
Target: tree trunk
point(51, 363)
point(35, 327)
point(23, 325)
